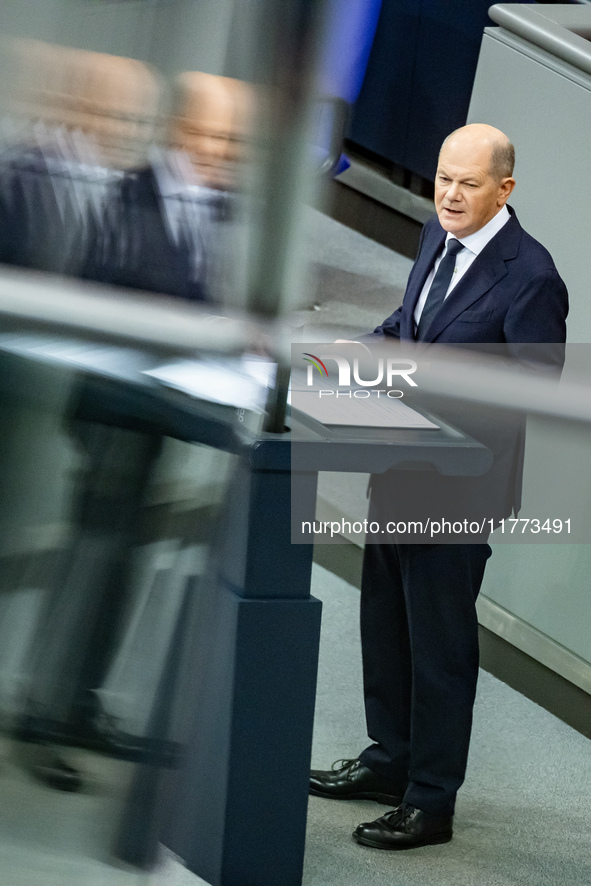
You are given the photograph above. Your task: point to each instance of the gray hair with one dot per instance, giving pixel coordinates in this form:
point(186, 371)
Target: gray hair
point(502, 160)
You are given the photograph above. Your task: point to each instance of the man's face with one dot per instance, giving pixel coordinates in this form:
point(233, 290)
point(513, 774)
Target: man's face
point(205, 129)
point(466, 195)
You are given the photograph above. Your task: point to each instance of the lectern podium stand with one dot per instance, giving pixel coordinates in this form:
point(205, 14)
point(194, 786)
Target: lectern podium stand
point(239, 811)
point(235, 809)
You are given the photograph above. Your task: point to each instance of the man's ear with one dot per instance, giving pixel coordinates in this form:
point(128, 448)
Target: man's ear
point(505, 189)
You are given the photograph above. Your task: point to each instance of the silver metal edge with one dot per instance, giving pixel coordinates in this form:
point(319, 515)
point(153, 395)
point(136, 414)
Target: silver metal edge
point(542, 29)
point(362, 178)
point(48, 301)
point(534, 643)
point(537, 54)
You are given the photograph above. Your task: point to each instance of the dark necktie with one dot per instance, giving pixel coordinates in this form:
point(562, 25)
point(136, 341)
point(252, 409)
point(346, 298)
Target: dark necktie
point(439, 287)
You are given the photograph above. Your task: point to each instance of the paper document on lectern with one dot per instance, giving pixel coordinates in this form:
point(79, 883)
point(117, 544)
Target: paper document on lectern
point(338, 407)
point(233, 382)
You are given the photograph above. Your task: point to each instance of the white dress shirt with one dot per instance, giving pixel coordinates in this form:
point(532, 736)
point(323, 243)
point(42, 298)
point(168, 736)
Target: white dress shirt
point(474, 244)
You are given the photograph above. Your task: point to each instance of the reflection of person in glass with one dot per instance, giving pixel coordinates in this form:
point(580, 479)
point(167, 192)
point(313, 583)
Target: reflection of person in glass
point(479, 278)
point(159, 226)
point(164, 227)
point(85, 117)
point(153, 231)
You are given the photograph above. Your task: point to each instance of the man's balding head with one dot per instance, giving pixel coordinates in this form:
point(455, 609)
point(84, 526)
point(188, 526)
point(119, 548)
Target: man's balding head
point(210, 123)
point(474, 178)
point(502, 152)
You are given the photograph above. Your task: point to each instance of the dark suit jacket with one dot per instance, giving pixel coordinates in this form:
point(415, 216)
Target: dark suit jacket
point(35, 231)
point(512, 296)
point(512, 293)
point(134, 248)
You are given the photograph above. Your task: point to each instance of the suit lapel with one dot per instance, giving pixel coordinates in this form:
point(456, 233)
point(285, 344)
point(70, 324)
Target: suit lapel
point(431, 247)
point(483, 274)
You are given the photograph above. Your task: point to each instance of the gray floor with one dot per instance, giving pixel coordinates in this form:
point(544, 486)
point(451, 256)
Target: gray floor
point(50, 838)
point(354, 282)
point(523, 816)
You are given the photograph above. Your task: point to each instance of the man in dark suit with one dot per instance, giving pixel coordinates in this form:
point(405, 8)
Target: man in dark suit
point(479, 279)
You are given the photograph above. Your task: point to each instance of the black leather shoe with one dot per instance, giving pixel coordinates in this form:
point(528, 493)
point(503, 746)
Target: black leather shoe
point(405, 828)
point(50, 768)
point(102, 735)
point(351, 780)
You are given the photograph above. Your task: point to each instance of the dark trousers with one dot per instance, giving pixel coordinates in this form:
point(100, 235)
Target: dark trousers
point(90, 591)
point(419, 635)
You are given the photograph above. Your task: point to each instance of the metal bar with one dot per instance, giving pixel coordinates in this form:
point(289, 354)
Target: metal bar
point(29, 299)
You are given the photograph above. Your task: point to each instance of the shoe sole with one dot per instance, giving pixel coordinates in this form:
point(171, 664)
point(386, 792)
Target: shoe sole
point(435, 840)
point(57, 782)
point(385, 799)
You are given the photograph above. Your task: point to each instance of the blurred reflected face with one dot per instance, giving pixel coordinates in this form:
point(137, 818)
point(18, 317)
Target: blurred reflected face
point(467, 196)
point(114, 103)
point(204, 131)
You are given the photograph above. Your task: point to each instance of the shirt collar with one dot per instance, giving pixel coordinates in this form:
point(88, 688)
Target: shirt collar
point(478, 240)
point(173, 172)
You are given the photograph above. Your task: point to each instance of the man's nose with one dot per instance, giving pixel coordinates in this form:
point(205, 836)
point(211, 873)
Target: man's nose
point(453, 192)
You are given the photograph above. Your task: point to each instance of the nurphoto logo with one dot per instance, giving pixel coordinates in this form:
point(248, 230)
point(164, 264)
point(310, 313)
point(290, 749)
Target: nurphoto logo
point(385, 371)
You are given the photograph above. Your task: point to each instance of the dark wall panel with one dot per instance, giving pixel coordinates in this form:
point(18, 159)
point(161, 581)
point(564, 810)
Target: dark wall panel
point(381, 114)
point(419, 79)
